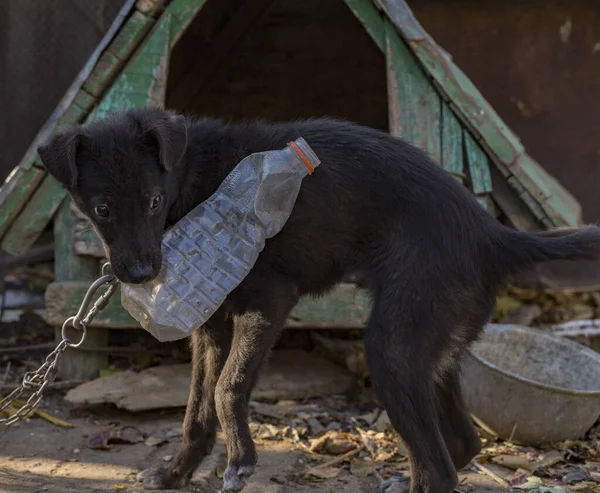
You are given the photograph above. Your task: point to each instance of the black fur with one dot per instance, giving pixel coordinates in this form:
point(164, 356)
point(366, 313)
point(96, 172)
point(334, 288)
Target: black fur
point(377, 208)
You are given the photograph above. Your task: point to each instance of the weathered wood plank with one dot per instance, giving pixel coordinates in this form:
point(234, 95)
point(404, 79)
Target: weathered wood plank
point(414, 105)
point(478, 164)
point(18, 189)
point(452, 158)
point(511, 205)
point(76, 364)
point(370, 18)
point(143, 81)
point(504, 147)
point(67, 265)
point(346, 307)
point(117, 53)
point(85, 240)
point(81, 106)
point(182, 12)
point(34, 217)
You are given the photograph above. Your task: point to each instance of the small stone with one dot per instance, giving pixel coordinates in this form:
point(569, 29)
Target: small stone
point(155, 441)
point(334, 426)
point(315, 426)
point(175, 432)
point(76, 451)
point(44, 488)
point(167, 458)
point(575, 475)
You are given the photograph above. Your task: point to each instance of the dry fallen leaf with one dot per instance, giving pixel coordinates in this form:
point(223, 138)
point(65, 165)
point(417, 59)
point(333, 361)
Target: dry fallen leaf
point(109, 435)
point(532, 483)
point(339, 446)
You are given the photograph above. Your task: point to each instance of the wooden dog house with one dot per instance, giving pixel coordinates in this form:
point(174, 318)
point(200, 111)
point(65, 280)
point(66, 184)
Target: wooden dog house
point(365, 60)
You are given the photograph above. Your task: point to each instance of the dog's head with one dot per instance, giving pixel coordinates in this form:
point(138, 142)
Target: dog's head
point(123, 172)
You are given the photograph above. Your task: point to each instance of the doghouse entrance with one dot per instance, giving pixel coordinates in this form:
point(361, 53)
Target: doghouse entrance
point(278, 60)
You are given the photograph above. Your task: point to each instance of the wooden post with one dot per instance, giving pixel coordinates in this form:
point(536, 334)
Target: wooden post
point(68, 266)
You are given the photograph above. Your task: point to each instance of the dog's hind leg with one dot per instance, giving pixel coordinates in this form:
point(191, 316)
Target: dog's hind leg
point(255, 332)
point(210, 348)
point(401, 345)
point(456, 425)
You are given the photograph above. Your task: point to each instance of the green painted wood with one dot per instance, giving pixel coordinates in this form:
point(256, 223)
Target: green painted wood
point(81, 106)
point(452, 158)
point(477, 162)
point(68, 266)
point(345, 307)
point(86, 241)
point(182, 12)
point(18, 189)
point(371, 19)
point(34, 217)
point(115, 56)
point(143, 81)
point(503, 146)
point(414, 105)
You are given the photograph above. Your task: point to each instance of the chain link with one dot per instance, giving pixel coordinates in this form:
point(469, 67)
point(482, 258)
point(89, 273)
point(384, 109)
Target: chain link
point(37, 380)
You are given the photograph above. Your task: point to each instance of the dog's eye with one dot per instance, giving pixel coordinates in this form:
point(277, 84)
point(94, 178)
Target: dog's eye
point(101, 211)
point(155, 204)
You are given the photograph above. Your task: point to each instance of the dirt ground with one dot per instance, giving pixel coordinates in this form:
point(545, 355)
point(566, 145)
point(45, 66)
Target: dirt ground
point(37, 456)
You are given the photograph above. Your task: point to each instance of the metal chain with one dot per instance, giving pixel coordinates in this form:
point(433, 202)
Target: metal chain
point(37, 380)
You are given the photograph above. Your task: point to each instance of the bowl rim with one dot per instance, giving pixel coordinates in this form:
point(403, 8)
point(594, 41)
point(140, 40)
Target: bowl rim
point(534, 383)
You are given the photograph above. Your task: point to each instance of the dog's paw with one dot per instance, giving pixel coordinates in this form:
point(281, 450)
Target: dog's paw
point(160, 479)
point(396, 484)
point(234, 478)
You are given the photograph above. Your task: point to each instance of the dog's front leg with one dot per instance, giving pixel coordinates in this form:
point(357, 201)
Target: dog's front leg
point(255, 332)
point(210, 349)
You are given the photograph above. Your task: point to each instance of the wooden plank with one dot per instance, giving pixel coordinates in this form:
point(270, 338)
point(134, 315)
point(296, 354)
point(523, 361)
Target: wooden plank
point(85, 240)
point(478, 164)
point(504, 147)
point(67, 265)
point(346, 307)
point(182, 12)
point(117, 53)
point(143, 82)
point(18, 189)
point(414, 105)
point(452, 158)
point(511, 205)
point(34, 218)
point(370, 18)
point(76, 364)
point(81, 106)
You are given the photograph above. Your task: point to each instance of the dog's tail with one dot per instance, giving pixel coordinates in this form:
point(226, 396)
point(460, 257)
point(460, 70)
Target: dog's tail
point(528, 249)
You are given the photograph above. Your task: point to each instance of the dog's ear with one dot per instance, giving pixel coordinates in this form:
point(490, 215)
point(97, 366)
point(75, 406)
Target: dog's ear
point(170, 134)
point(58, 156)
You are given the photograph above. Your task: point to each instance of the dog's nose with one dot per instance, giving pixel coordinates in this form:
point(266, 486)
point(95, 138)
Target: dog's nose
point(140, 273)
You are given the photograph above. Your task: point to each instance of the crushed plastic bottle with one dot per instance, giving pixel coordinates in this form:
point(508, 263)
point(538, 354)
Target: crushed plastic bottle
point(210, 251)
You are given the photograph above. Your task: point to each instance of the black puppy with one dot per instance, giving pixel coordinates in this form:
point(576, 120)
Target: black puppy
point(377, 208)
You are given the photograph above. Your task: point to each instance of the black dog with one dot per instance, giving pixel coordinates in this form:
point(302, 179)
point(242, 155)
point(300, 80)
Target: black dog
point(377, 208)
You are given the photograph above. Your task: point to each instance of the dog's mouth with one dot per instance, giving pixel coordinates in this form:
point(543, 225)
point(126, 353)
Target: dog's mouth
point(135, 272)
